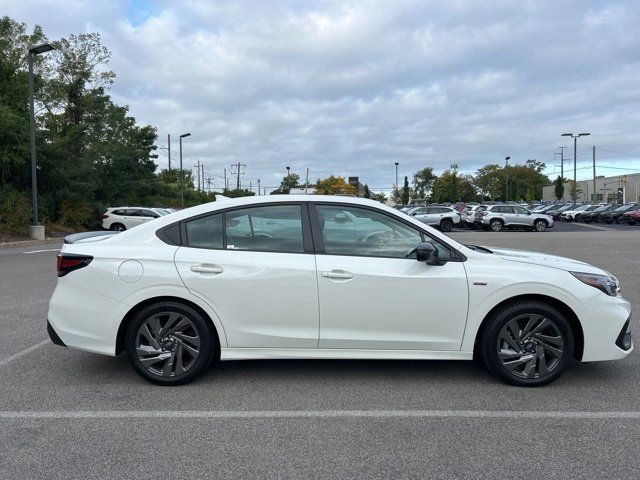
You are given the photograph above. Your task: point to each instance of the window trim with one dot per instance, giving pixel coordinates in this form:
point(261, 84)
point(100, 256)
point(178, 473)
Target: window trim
point(455, 255)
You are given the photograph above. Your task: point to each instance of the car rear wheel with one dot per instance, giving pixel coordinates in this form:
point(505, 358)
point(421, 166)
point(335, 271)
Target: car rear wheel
point(496, 225)
point(169, 343)
point(540, 225)
point(619, 220)
point(527, 344)
point(117, 227)
point(446, 225)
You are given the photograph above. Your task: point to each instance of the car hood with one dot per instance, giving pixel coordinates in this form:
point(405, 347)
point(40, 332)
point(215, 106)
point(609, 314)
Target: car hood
point(545, 260)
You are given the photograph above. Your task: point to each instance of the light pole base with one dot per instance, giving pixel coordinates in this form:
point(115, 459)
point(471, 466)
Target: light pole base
point(36, 232)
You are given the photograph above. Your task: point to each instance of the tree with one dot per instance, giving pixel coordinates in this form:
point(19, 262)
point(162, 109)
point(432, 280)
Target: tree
point(406, 192)
point(574, 190)
point(423, 182)
point(288, 182)
point(489, 180)
point(333, 185)
point(443, 188)
point(558, 188)
point(367, 192)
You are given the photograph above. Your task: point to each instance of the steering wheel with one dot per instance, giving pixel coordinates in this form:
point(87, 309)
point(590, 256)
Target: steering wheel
point(380, 237)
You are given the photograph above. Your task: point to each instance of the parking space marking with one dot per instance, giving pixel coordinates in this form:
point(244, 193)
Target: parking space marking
point(284, 414)
point(24, 352)
point(40, 251)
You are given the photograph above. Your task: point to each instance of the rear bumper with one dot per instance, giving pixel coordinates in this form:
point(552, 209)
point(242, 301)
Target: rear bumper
point(54, 336)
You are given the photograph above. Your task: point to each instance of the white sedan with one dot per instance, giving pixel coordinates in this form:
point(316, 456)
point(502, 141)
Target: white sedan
point(327, 277)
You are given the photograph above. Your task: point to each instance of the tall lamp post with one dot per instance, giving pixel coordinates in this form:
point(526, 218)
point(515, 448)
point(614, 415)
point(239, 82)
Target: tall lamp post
point(506, 179)
point(36, 230)
point(397, 174)
point(181, 172)
point(575, 158)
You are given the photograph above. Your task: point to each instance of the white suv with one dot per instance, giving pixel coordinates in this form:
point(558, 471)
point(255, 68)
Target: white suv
point(442, 217)
point(123, 218)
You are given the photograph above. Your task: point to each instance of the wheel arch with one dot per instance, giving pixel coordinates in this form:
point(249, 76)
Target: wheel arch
point(122, 329)
point(559, 305)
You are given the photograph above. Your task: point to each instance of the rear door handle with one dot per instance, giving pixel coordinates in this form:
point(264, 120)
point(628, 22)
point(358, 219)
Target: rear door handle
point(338, 275)
point(206, 269)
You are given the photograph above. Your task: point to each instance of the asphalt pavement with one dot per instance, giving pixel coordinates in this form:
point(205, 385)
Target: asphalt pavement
point(71, 414)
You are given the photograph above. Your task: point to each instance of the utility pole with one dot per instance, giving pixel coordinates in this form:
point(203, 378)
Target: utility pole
point(197, 165)
point(238, 172)
point(226, 186)
point(208, 184)
point(306, 182)
point(562, 167)
point(184, 135)
point(258, 186)
point(595, 199)
point(506, 179)
point(575, 160)
point(396, 185)
point(250, 186)
point(202, 167)
point(169, 149)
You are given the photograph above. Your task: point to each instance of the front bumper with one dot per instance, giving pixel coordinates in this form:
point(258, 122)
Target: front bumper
point(605, 324)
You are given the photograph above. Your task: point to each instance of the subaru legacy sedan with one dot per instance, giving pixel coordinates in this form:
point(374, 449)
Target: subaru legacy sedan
point(314, 277)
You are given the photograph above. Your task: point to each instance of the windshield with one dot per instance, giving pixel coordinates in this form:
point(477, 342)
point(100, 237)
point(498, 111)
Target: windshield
point(623, 208)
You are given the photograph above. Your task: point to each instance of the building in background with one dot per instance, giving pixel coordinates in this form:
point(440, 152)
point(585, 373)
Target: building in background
point(616, 189)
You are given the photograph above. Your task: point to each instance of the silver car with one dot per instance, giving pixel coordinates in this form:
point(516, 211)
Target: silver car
point(442, 217)
point(497, 217)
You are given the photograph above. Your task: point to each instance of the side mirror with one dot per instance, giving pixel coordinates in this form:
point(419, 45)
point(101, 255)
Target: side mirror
point(426, 252)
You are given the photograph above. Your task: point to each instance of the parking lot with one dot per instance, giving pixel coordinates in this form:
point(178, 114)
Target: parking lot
point(69, 414)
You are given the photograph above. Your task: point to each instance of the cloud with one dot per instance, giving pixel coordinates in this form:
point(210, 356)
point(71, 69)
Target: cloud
point(349, 88)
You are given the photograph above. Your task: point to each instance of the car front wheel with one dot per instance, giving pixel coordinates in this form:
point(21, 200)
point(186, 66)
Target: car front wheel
point(527, 344)
point(496, 225)
point(169, 343)
point(446, 225)
point(540, 225)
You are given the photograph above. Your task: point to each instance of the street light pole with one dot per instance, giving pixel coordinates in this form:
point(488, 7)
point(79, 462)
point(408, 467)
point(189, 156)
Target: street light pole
point(396, 185)
point(506, 179)
point(36, 230)
point(181, 171)
point(575, 158)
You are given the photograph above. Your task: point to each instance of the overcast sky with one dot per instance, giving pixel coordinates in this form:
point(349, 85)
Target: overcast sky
point(349, 88)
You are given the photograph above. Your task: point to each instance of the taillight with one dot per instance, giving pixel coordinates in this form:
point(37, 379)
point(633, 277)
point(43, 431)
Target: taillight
point(68, 262)
point(482, 214)
point(105, 216)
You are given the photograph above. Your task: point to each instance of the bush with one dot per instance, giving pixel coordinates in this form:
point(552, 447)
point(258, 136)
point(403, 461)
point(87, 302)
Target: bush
point(75, 214)
point(15, 211)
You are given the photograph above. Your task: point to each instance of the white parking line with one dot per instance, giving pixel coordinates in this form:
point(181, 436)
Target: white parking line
point(284, 414)
point(40, 251)
point(21, 353)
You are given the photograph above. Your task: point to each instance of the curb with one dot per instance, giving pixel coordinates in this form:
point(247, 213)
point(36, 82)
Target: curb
point(31, 243)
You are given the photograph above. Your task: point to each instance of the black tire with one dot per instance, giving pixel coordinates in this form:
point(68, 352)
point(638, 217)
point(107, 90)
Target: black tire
point(197, 325)
point(631, 222)
point(521, 312)
point(540, 225)
point(117, 227)
point(619, 220)
point(446, 225)
point(496, 225)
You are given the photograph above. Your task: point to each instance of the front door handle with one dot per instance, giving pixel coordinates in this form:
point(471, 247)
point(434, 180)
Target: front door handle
point(338, 275)
point(206, 269)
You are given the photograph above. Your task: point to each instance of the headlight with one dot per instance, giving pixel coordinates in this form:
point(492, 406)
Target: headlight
point(605, 283)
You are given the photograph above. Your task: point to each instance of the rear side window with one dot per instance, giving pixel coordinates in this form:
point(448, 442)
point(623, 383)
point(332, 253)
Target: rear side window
point(205, 232)
point(275, 228)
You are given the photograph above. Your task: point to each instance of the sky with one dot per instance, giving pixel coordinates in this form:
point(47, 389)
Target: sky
point(350, 88)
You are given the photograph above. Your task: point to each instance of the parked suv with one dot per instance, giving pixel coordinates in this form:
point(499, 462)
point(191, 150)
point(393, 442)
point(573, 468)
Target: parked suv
point(570, 215)
point(443, 217)
point(594, 215)
point(123, 218)
point(555, 212)
point(468, 216)
point(497, 217)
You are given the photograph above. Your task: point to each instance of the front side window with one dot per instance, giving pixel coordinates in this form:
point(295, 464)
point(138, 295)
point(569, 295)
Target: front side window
point(357, 231)
point(521, 210)
point(276, 228)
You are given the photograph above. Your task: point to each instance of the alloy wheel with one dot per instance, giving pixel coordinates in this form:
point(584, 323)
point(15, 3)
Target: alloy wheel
point(496, 225)
point(530, 347)
point(540, 226)
point(167, 344)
